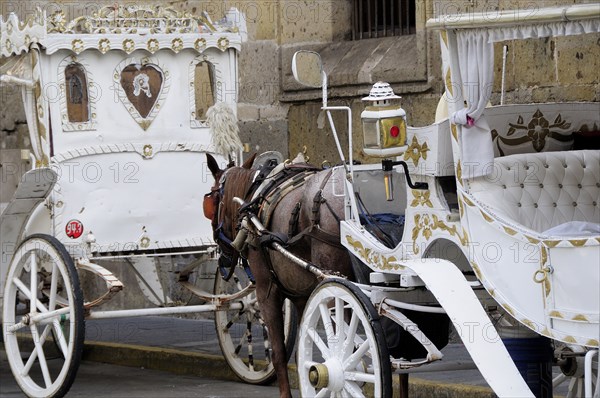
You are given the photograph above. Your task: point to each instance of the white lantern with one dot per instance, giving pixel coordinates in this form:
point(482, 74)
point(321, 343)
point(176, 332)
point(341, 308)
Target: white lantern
point(384, 124)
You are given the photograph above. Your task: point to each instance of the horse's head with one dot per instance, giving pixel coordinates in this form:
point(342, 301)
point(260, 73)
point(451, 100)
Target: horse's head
point(219, 207)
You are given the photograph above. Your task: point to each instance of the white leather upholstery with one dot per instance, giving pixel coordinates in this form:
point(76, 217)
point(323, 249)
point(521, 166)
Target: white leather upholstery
point(542, 190)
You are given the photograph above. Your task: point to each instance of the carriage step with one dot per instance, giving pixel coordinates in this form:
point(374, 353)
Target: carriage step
point(113, 285)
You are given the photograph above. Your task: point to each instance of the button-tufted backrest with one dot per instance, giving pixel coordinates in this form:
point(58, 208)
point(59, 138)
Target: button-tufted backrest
point(543, 190)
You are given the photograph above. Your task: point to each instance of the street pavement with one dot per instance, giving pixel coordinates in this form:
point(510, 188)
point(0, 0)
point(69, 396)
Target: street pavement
point(169, 338)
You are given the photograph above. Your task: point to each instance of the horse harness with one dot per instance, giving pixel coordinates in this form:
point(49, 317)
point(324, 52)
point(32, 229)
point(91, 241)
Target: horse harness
point(270, 185)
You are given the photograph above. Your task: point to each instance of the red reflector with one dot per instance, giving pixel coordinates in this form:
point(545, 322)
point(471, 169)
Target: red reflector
point(74, 229)
point(394, 131)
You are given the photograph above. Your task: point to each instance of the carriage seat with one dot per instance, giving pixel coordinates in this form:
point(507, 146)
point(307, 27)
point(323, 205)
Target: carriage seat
point(542, 191)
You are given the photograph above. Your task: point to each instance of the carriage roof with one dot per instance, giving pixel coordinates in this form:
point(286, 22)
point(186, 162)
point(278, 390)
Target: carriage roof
point(122, 28)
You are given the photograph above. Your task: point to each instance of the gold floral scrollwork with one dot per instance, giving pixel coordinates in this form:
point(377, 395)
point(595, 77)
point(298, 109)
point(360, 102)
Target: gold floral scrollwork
point(77, 46)
point(177, 45)
point(104, 45)
point(421, 198)
point(152, 45)
point(128, 46)
point(200, 44)
point(377, 260)
point(57, 22)
point(416, 151)
point(425, 224)
point(223, 43)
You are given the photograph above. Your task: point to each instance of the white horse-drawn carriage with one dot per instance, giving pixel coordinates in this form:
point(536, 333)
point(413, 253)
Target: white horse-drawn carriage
point(501, 195)
point(116, 105)
point(494, 215)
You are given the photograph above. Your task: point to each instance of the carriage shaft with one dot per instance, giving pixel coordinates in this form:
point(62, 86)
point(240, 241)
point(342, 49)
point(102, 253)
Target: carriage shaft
point(163, 311)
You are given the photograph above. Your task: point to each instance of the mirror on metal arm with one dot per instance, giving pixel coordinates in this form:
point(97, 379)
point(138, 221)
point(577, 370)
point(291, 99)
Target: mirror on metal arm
point(307, 68)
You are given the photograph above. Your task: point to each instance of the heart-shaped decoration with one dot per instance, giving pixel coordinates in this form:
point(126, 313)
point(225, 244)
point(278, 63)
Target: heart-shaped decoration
point(143, 87)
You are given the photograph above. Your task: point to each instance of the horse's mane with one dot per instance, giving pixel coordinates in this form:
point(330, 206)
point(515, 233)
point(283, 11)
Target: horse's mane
point(237, 183)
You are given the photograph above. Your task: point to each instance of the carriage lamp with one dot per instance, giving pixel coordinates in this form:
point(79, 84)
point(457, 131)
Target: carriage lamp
point(384, 124)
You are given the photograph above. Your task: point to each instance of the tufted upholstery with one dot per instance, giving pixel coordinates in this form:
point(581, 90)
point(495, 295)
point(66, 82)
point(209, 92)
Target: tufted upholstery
point(542, 190)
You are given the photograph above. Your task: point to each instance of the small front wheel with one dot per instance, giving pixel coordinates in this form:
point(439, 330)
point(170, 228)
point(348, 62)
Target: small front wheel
point(42, 323)
point(341, 346)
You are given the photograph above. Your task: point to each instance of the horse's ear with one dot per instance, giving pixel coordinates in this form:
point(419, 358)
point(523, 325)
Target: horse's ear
point(249, 162)
point(213, 166)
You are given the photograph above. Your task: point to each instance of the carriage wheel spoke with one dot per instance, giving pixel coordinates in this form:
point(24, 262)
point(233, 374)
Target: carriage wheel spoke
point(360, 377)
point(350, 336)
point(59, 334)
point(327, 324)
point(339, 323)
point(41, 356)
point(351, 362)
point(25, 290)
point(238, 348)
point(34, 354)
point(250, 346)
point(314, 336)
point(353, 390)
point(34, 279)
point(53, 288)
point(322, 393)
point(233, 320)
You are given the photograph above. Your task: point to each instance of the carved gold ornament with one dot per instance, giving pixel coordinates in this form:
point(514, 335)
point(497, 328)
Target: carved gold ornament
point(416, 151)
point(200, 44)
point(128, 45)
point(104, 45)
point(177, 45)
point(425, 224)
point(536, 132)
point(421, 198)
point(153, 45)
point(77, 46)
point(223, 43)
point(377, 260)
point(57, 22)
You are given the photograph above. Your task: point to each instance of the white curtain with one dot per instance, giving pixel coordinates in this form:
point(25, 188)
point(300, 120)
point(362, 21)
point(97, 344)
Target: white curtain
point(476, 61)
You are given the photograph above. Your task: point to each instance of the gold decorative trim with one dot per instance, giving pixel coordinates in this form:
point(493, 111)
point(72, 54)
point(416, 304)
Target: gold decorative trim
point(580, 317)
point(478, 273)
point(416, 151)
point(200, 44)
point(425, 224)
point(486, 217)
point(593, 343)
point(128, 46)
point(552, 243)
point(459, 172)
point(569, 339)
point(556, 314)
point(578, 242)
point(147, 151)
point(529, 324)
point(532, 240)
point(177, 44)
point(454, 131)
point(377, 260)
point(547, 333)
point(104, 45)
point(77, 46)
point(509, 309)
point(421, 198)
point(509, 230)
point(468, 201)
point(153, 46)
point(449, 82)
point(223, 43)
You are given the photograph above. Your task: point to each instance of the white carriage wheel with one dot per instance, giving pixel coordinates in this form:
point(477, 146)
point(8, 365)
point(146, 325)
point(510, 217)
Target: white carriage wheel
point(42, 322)
point(573, 373)
point(243, 335)
point(347, 361)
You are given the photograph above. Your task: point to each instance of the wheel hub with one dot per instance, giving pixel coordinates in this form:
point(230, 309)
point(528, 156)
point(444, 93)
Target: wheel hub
point(328, 375)
point(318, 375)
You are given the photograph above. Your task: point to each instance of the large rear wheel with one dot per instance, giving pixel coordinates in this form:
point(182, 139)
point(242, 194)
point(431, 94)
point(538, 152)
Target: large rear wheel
point(42, 322)
point(342, 350)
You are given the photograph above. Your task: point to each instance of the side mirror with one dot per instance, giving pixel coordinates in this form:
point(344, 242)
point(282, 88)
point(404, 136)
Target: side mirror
point(308, 68)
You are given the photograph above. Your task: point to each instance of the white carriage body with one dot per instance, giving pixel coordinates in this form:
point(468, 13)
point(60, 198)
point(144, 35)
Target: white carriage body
point(493, 209)
point(131, 178)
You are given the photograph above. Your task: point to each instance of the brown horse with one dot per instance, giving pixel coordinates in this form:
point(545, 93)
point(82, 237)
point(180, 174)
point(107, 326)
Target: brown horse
point(277, 277)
